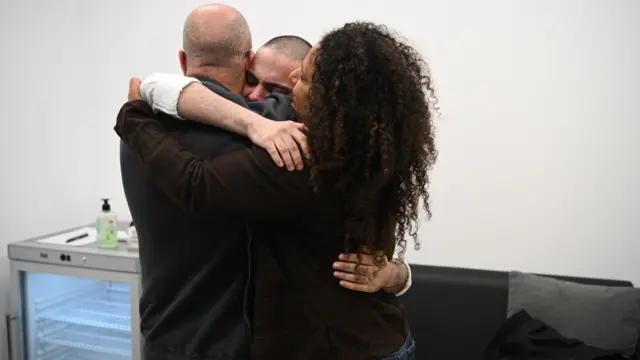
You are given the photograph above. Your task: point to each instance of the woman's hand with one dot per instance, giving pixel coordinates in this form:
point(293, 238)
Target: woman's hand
point(283, 140)
point(134, 89)
point(362, 273)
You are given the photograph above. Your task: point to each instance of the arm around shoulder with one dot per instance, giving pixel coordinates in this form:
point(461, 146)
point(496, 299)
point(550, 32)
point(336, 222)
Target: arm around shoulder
point(242, 185)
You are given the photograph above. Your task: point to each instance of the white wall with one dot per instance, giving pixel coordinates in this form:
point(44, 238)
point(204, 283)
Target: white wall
point(538, 171)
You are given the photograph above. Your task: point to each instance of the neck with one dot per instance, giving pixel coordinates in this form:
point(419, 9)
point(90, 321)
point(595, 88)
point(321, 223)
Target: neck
point(231, 78)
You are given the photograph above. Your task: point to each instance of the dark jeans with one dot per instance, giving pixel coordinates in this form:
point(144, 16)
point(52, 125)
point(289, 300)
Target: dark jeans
point(406, 352)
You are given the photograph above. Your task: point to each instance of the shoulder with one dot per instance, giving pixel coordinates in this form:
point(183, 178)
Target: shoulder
point(275, 107)
point(223, 91)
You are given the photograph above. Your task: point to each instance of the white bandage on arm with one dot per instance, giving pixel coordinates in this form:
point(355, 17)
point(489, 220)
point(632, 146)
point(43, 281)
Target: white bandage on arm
point(162, 91)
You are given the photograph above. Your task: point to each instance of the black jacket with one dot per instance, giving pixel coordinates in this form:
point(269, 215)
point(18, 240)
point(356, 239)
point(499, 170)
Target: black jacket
point(524, 338)
point(194, 272)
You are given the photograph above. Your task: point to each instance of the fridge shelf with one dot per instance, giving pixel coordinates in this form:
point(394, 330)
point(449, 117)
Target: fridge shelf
point(55, 352)
point(98, 342)
point(82, 355)
point(96, 313)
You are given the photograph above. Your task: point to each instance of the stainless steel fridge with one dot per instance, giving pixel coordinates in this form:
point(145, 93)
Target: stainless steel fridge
point(73, 302)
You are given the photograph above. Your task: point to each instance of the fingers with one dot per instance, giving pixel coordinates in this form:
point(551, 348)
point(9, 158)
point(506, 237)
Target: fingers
point(357, 276)
point(355, 268)
point(275, 155)
point(290, 145)
point(301, 139)
point(364, 259)
point(285, 142)
point(297, 140)
point(285, 153)
point(134, 89)
point(355, 282)
point(294, 151)
point(359, 279)
point(287, 145)
point(357, 287)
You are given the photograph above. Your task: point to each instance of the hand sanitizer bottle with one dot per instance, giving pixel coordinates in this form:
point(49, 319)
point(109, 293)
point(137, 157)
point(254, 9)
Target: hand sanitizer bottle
point(107, 227)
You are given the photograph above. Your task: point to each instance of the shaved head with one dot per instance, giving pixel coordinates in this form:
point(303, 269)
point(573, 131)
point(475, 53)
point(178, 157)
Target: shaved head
point(294, 47)
point(216, 35)
point(273, 64)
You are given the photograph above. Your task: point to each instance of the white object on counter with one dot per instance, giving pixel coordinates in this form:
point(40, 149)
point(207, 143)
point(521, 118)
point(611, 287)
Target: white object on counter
point(65, 238)
point(133, 239)
point(122, 236)
point(92, 236)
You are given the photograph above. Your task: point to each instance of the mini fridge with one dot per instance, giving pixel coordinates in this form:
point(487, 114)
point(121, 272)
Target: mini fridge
point(73, 302)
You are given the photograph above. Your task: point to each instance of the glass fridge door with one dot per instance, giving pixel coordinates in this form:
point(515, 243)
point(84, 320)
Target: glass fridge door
point(74, 318)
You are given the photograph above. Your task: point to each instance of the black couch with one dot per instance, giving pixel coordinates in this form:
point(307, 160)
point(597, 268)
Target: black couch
point(454, 312)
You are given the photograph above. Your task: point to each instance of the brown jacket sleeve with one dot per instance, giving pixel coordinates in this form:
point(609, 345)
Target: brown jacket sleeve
point(243, 185)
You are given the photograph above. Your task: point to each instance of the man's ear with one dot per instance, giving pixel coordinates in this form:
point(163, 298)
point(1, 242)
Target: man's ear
point(183, 61)
point(249, 63)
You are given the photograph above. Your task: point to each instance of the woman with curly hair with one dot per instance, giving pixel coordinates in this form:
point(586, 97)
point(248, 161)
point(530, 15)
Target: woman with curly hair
point(367, 104)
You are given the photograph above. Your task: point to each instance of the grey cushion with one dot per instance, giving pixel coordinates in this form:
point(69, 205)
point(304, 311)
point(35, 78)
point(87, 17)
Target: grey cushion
point(600, 316)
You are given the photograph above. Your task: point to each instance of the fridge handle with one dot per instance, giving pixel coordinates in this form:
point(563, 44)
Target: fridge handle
point(10, 320)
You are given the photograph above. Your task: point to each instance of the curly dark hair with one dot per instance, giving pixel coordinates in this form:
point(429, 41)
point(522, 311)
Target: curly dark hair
point(371, 133)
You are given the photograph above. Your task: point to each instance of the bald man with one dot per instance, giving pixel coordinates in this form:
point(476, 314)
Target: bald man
point(195, 273)
point(272, 65)
point(217, 44)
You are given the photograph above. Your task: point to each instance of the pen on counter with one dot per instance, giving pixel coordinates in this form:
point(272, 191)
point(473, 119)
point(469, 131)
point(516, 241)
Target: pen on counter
point(81, 236)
